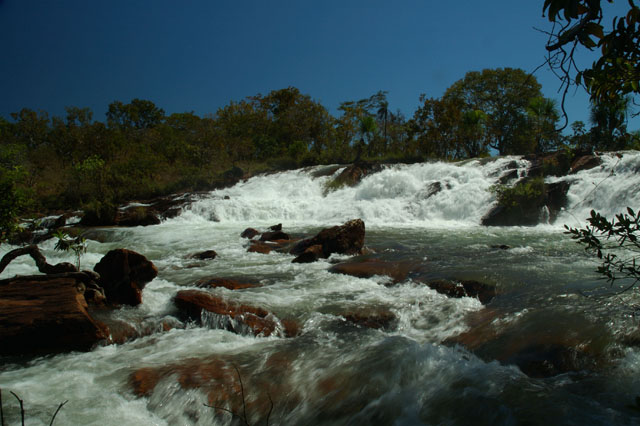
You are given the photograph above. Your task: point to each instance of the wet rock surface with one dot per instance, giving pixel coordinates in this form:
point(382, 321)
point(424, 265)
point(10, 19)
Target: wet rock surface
point(46, 316)
point(542, 343)
point(344, 239)
point(191, 303)
point(123, 275)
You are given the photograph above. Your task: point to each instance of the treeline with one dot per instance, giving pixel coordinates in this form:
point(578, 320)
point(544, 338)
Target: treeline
point(140, 152)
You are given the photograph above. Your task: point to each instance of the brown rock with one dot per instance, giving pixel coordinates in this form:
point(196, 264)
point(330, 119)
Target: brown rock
point(585, 162)
point(249, 233)
point(291, 327)
point(311, 254)
point(137, 216)
point(542, 343)
point(274, 236)
point(223, 381)
point(144, 380)
point(204, 255)
point(344, 239)
point(398, 271)
point(228, 283)
point(259, 247)
point(464, 288)
point(123, 275)
point(46, 316)
point(192, 302)
point(375, 320)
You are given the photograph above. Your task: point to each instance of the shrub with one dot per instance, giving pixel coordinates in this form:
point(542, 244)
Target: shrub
point(524, 194)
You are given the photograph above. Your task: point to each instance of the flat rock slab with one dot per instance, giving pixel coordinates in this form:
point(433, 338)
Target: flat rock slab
point(228, 283)
point(397, 271)
point(43, 317)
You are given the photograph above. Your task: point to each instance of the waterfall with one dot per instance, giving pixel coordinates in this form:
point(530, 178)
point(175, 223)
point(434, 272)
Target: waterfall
point(434, 194)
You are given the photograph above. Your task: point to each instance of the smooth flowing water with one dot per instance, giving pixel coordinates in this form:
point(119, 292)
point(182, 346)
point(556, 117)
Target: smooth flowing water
point(336, 372)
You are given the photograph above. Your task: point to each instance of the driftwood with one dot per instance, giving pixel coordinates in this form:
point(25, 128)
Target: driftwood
point(85, 277)
point(41, 261)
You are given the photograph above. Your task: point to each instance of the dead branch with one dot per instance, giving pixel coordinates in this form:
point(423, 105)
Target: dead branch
point(38, 257)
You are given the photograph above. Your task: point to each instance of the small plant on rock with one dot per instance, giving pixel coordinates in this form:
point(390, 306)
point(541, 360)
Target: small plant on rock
point(66, 243)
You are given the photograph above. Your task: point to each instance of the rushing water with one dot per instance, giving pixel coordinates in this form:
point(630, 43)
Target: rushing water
point(336, 372)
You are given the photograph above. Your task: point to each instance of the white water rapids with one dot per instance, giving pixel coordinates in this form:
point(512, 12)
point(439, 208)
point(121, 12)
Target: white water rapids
point(337, 373)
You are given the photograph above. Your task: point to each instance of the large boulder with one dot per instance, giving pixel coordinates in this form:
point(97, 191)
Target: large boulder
point(344, 239)
point(528, 203)
point(353, 174)
point(585, 162)
point(123, 275)
point(46, 315)
point(137, 216)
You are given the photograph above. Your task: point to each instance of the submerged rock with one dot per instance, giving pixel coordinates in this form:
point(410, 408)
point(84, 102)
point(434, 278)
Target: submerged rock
point(123, 275)
point(542, 343)
point(376, 319)
point(253, 390)
point(204, 255)
point(464, 288)
point(46, 315)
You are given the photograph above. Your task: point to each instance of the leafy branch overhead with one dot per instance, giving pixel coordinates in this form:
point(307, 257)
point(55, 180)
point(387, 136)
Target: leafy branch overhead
point(615, 73)
point(615, 242)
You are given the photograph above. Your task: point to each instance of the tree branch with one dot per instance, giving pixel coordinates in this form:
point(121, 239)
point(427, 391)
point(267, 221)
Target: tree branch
point(38, 257)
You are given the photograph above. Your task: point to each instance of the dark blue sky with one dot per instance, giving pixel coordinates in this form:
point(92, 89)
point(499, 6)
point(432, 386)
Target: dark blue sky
point(197, 55)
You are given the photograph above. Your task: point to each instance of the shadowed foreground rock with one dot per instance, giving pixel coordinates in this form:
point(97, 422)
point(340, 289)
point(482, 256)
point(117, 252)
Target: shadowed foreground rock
point(542, 343)
point(123, 275)
point(46, 316)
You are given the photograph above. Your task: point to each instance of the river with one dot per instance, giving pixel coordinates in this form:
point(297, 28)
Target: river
point(338, 373)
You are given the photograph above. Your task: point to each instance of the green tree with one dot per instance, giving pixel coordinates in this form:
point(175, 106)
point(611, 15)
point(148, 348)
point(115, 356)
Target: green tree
point(543, 116)
point(138, 114)
point(609, 120)
point(368, 128)
point(473, 133)
point(503, 94)
point(435, 128)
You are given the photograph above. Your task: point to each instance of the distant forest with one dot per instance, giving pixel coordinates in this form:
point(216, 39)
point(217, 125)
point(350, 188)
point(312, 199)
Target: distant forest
point(61, 163)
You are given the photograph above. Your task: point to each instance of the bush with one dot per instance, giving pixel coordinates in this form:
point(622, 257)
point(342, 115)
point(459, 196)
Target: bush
point(524, 194)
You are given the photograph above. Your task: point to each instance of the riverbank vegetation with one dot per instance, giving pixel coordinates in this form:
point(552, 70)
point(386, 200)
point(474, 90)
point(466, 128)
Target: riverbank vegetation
point(139, 151)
